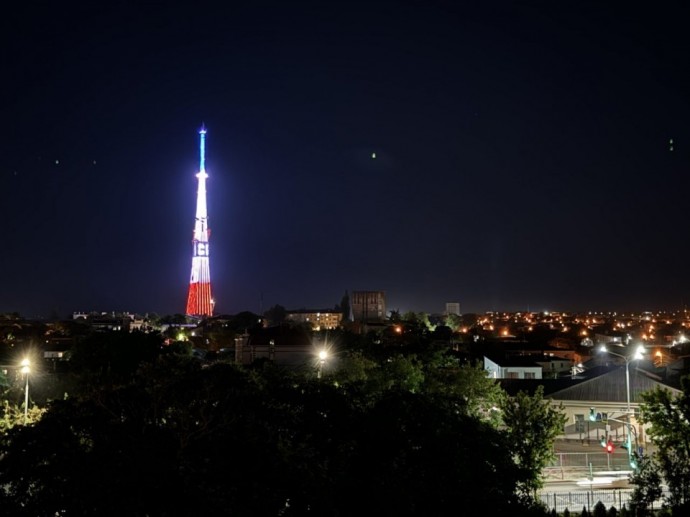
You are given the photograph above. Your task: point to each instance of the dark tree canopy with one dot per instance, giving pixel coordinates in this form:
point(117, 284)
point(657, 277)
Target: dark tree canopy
point(163, 432)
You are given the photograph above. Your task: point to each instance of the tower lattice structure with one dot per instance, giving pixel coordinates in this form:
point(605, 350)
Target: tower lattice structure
point(199, 300)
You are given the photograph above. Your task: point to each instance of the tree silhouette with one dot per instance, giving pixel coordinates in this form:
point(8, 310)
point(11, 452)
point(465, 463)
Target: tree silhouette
point(160, 431)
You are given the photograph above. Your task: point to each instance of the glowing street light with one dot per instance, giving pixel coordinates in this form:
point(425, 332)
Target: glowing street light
point(628, 359)
point(631, 428)
point(26, 369)
point(323, 355)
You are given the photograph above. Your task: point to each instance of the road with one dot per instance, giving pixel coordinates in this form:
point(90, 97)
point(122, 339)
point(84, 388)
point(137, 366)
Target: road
point(586, 466)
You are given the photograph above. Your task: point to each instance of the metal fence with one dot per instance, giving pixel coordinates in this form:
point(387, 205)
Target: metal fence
point(598, 460)
point(577, 500)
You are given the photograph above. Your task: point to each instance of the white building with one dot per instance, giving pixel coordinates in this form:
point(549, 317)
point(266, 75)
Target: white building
point(518, 367)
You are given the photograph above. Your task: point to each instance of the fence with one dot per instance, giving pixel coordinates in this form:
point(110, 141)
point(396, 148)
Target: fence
point(579, 465)
point(575, 501)
point(598, 460)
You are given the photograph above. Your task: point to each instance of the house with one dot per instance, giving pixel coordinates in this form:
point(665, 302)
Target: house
point(602, 392)
point(554, 366)
point(605, 396)
point(283, 345)
point(512, 367)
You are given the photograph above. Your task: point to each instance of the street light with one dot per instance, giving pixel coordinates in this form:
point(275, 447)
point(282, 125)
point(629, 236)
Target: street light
point(628, 359)
point(323, 355)
point(26, 369)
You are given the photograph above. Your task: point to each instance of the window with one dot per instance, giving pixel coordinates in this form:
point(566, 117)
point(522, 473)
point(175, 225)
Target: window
point(580, 423)
point(529, 375)
point(512, 375)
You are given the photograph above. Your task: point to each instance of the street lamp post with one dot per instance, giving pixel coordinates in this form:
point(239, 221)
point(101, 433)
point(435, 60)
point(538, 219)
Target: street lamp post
point(628, 359)
point(26, 369)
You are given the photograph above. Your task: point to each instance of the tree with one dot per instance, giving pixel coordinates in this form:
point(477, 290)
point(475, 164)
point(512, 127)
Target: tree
point(87, 458)
point(423, 319)
point(466, 383)
point(275, 315)
point(599, 509)
point(532, 424)
point(403, 372)
point(354, 368)
point(230, 440)
point(415, 456)
point(454, 322)
point(442, 333)
point(245, 321)
point(394, 316)
point(13, 415)
point(669, 427)
point(111, 358)
point(647, 482)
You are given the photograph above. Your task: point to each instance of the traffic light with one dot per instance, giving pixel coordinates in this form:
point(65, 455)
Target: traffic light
point(609, 447)
point(593, 415)
point(633, 460)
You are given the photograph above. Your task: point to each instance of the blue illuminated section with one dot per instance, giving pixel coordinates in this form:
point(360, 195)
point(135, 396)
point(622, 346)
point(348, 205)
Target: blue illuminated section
point(202, 149)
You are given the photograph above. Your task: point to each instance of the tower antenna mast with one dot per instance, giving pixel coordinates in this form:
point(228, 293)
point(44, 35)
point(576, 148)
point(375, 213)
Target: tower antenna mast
point(199, 300)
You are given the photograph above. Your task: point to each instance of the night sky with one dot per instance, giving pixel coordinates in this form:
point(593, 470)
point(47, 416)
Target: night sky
point(523, 155)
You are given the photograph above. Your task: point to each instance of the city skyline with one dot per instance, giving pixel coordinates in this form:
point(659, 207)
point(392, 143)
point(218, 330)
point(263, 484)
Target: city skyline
point(514, 156)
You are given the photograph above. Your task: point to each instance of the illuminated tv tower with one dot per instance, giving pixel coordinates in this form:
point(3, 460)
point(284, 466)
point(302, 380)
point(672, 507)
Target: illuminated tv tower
point(199, 301)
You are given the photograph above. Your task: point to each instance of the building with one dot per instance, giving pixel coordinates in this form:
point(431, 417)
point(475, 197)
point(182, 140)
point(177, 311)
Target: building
point(602, 390)
point(516, 367)
point(291, 347)
point(452, 308)
point(368, 306)
point(318, 319)
point(607, 393)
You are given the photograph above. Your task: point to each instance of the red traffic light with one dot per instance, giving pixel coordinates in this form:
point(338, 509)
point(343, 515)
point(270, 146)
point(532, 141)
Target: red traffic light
point(609, 447)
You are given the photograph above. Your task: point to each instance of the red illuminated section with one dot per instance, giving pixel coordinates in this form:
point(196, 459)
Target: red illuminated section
point(199, 301)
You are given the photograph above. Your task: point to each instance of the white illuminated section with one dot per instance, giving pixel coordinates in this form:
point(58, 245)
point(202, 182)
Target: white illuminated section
point(200, 227)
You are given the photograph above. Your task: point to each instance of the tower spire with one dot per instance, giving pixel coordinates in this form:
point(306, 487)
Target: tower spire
point(199, 301)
